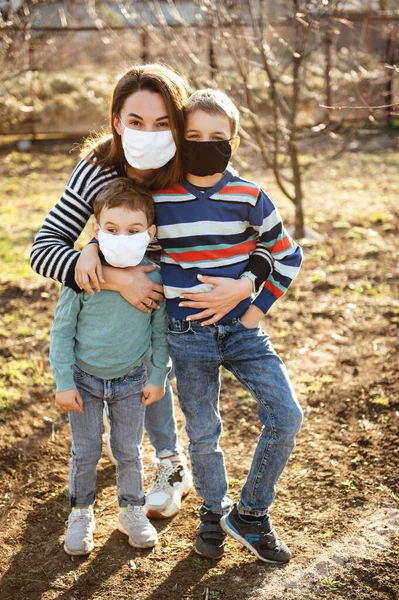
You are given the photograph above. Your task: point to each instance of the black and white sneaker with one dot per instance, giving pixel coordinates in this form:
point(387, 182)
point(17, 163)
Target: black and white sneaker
point(258, 536)
point(173, 481)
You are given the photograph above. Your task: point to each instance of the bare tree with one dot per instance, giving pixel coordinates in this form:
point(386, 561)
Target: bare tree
point(277, 64)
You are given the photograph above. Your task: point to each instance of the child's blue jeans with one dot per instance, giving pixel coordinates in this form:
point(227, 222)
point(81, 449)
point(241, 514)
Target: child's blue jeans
point(198, 352)
point(126, 412)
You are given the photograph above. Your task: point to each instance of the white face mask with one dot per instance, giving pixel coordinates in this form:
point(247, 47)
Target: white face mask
point(123, 250)
point(147, 149)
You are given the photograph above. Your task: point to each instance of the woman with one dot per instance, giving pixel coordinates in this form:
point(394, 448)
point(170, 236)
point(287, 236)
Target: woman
point(146, 119)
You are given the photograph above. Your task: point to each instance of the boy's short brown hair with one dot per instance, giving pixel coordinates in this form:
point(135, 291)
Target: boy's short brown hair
point(214, 101)
point(125, 192)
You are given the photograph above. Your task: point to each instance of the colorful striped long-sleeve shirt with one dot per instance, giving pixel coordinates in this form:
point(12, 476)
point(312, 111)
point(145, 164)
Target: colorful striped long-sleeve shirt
point(216, 232)
point(53, 254)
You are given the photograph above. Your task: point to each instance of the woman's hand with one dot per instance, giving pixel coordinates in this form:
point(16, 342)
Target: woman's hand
point(88, 270)
point(225, 296)
point(133, 284)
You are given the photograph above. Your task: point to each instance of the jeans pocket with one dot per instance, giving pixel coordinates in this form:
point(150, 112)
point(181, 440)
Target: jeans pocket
point(138, 375)
point(245, 327)
point(178, 326)
point(78, 373)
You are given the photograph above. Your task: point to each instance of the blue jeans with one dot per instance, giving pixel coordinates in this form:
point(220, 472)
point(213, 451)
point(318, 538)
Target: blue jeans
point(126, 412)
point(160, 423)
point(198, 352)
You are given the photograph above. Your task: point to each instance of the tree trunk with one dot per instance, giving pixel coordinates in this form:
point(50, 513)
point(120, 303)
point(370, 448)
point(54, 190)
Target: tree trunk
point(296, 170)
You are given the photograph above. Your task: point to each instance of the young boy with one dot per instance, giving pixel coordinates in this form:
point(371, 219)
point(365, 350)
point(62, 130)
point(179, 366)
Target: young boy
point(97, 348)
point(218, 224)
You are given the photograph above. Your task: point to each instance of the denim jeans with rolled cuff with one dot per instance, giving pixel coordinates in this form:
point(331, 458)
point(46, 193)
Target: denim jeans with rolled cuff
point(126, 414)
point(197, 353)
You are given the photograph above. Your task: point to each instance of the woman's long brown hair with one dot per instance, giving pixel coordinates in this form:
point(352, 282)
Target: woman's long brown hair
point(108, 151)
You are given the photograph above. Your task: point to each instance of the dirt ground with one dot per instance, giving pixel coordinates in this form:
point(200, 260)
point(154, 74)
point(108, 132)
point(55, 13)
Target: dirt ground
point(337, 500)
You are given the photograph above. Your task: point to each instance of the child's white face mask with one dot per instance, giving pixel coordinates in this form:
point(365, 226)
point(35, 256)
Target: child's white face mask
point(123, 250)
point(147, 149)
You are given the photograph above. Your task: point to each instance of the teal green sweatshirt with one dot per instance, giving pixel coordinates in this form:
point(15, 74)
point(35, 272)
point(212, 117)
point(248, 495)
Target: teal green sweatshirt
point(106, 336)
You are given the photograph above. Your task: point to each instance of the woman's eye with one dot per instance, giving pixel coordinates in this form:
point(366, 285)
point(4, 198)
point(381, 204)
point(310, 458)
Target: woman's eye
point(134, 124)
point(111, 230)
point(164, 125)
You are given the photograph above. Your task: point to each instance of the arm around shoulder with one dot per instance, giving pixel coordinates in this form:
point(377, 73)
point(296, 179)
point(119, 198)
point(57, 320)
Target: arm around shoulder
point(52, 254)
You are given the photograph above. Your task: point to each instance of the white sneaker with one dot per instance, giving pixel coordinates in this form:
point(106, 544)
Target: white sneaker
point(134, 523)
point(107, 434)
point(79, 536)
point(172, 482)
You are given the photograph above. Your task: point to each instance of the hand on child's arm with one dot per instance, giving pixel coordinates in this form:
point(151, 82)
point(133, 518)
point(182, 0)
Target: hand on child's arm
point(225, 296)
point(252, 317)
point(135, 286)
point(152, 393)
point(132, 283)
point(69, 400)
point(88, 270)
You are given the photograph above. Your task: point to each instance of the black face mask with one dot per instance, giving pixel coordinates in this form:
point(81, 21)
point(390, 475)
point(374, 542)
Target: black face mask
point(205, 158)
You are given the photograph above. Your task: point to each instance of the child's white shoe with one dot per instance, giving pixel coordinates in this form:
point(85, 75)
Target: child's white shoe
point(79, 536)
point(134, 523)
point(172, 482)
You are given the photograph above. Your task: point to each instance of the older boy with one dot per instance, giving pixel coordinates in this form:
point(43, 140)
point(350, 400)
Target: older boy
point(97, 348)
point(218, 224)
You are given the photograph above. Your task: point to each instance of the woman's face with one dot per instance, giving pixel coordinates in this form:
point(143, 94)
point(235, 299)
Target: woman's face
point(143, 111)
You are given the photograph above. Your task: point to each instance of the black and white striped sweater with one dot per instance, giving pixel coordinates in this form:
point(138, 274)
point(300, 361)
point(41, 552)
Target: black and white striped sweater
point(52, 253)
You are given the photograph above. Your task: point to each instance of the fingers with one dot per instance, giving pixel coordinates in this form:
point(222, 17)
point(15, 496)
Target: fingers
point(201, 315)
point(157, 288)
point(72, 406)
point(155, 305)
point(100, 273)
point(143, 307)
point(146, 268)
point(76, 407)
point(79, 401)
point(209, 279)
point(157, 296)
point(84, 284)
point(149, 400)
point(214, 319)
point(195, 304)
point(94, 282)
point(206, 297)
point(149, 303)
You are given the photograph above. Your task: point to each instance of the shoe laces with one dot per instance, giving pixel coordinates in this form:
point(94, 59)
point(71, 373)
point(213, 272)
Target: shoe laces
point(78, 517)
point(163, 474)
point(136, 514)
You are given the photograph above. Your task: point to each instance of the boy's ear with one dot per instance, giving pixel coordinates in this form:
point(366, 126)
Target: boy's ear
point(152, 231)
point(96, 227)
point(234, 143)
